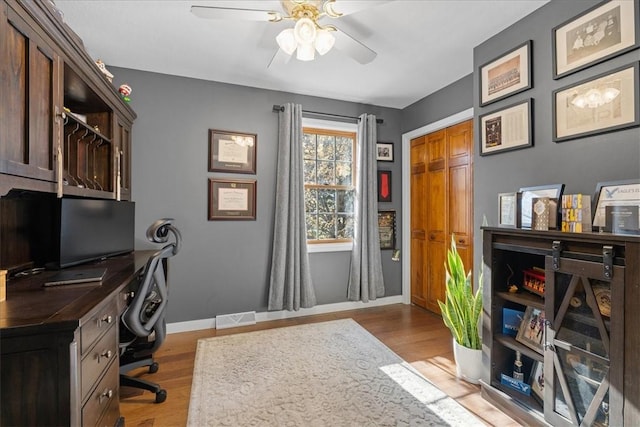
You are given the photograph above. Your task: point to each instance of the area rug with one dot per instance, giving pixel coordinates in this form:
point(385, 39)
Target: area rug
point(324, 374)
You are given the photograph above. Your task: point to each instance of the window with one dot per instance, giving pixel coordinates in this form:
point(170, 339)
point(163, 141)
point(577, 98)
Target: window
point(329, 182)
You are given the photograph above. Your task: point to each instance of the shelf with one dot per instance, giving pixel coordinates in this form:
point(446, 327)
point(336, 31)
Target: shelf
point(528, 402)
point(522, 249)
point(523, 298)
point(510, 342)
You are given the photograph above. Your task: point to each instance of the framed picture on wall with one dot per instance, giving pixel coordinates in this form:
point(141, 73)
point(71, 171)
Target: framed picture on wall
point(384, 152)
point(605, 103)
point(506, 75)
point(387, 229)
point(600, 33)
point(384, 186)
point(231, 199)
point(232, 151)
point(507, 129)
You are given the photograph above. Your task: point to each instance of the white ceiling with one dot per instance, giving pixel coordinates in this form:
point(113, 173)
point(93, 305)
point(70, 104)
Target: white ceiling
point(422, 45)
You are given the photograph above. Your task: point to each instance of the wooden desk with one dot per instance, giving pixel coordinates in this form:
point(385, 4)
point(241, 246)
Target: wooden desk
point(59, 347)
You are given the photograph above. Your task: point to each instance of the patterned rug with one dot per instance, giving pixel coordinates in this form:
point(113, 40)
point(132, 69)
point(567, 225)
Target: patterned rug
point(324, 374)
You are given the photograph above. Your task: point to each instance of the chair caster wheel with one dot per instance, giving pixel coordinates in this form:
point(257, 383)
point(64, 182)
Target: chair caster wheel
point(161, 396)
point(153, 368)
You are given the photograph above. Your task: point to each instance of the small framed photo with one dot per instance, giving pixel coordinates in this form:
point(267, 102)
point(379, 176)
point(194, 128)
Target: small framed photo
point(606, 103)
point(232, 151)
point(553, 192)
point(232, 199)
point(387, 229)
point(531, 330)
point(384, 186)
point(508, 210)
point(537, 380)
point(506, 75)
point(507, 129)
point(384, 151)
point(600, 33)
point(614, 193)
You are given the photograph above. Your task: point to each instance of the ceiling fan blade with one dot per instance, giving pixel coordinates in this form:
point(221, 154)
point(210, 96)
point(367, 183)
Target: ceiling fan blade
point(347, 7)
point(353, 48)
point(210, 12)
point(280, 57)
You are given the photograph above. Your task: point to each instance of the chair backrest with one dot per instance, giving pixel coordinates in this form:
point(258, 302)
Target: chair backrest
point(146, 311)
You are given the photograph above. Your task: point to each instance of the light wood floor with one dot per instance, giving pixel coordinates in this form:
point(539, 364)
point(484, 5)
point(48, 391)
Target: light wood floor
point(416, 335)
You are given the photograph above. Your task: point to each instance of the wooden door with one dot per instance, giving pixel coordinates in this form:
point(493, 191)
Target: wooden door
point(441, 206)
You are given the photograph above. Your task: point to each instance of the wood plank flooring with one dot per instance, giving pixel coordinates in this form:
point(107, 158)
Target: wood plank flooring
point(416, 335)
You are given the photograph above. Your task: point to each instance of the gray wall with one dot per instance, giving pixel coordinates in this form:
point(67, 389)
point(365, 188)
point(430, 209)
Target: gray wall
point(224, 265)
point(579, 163)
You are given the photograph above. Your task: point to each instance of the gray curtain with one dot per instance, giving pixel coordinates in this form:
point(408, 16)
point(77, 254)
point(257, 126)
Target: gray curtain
point(290, 284)
point(365, 279)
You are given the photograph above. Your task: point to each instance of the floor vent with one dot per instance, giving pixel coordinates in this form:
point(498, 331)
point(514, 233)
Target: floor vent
point(236, 319)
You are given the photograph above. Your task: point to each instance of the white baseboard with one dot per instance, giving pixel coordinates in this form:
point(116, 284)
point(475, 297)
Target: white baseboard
point(195, 325)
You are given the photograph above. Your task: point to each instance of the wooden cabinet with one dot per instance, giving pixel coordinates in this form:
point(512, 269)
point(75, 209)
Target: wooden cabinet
point(441, 206)
point(59, 348)
point(63, 126)
point(582, 370)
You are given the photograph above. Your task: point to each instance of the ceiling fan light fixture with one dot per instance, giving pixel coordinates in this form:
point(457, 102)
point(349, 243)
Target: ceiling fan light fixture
point(287, 41)
point(306, 52)
point(305, 31)
point(324, 41)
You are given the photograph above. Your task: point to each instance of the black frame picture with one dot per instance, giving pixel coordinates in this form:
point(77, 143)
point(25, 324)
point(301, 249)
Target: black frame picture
point(232, 151)
point(387, 229)
point(494, 127)
point(384, 186)
point(506, 75)
point(232, 199)
point(612, 197)
point(384, 151)
point(553, 191)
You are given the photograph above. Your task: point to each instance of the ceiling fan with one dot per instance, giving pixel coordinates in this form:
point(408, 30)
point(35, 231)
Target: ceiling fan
point(308, 35)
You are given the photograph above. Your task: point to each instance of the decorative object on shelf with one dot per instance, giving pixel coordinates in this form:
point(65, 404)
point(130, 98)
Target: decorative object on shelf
point(232, 151)
point(506, 75)
point(531, 330)
point(125, 90)
point(384, 186)
point(387, 229)
point(517, 385)
point(518, 374)
point(534, 281)
point(384, 152)
point(540, 213)
point(553, 192)
point(602, 294)
point(614, 193)
point(461, 313)
point(600, 33)
point(622, 219)
point(576, 213)
point(511, 320)
point(232, 199)
point(508, 214)
point(604, 103)
point(103, 69)
point(507, 129)
point(537, 380)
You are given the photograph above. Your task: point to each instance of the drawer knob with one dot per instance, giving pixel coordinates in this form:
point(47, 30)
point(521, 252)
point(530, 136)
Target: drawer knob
point(128, 295)
point(107, 318)
point(106, 354)
point(107, 394)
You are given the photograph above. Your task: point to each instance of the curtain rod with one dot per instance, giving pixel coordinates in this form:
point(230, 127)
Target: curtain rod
point(277, 108)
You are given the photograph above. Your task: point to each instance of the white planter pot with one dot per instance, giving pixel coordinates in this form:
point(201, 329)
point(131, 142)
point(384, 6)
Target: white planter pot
point(468, 363)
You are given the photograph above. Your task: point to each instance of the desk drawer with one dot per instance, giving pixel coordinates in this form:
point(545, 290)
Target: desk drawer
point(106, 317)
point(97, 360)
point(102, 397)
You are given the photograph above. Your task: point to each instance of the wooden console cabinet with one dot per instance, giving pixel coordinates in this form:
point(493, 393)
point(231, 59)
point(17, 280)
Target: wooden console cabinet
point(578, 341)
point(59, 347)
point(63, 126)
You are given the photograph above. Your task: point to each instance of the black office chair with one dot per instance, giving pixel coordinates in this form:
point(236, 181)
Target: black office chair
point(142, 326)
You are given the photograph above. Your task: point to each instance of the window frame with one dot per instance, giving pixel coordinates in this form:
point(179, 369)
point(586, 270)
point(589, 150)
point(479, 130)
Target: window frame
point(339, 129)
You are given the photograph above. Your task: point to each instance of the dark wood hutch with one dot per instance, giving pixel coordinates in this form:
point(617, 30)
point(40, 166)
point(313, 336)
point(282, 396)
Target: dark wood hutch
point(64, 132)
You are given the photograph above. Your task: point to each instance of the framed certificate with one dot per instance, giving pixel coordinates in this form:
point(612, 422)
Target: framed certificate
point(232, 151)
point(508, 210)
point(614, 194)
point(232, 199)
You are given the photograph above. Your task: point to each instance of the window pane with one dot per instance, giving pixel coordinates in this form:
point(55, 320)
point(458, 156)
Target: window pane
point(326, 201)
point(344, 201)
point(326, 147)
point(310, 200)
point(344, 148)
point(326, 227)
point(309, 172)
point(326, 173)
point(312, 226)
point(309, 141)
point(343, 173)
point(345, 226)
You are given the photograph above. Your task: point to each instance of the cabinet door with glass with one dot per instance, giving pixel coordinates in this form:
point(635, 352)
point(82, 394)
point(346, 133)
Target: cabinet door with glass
point(585, 326)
